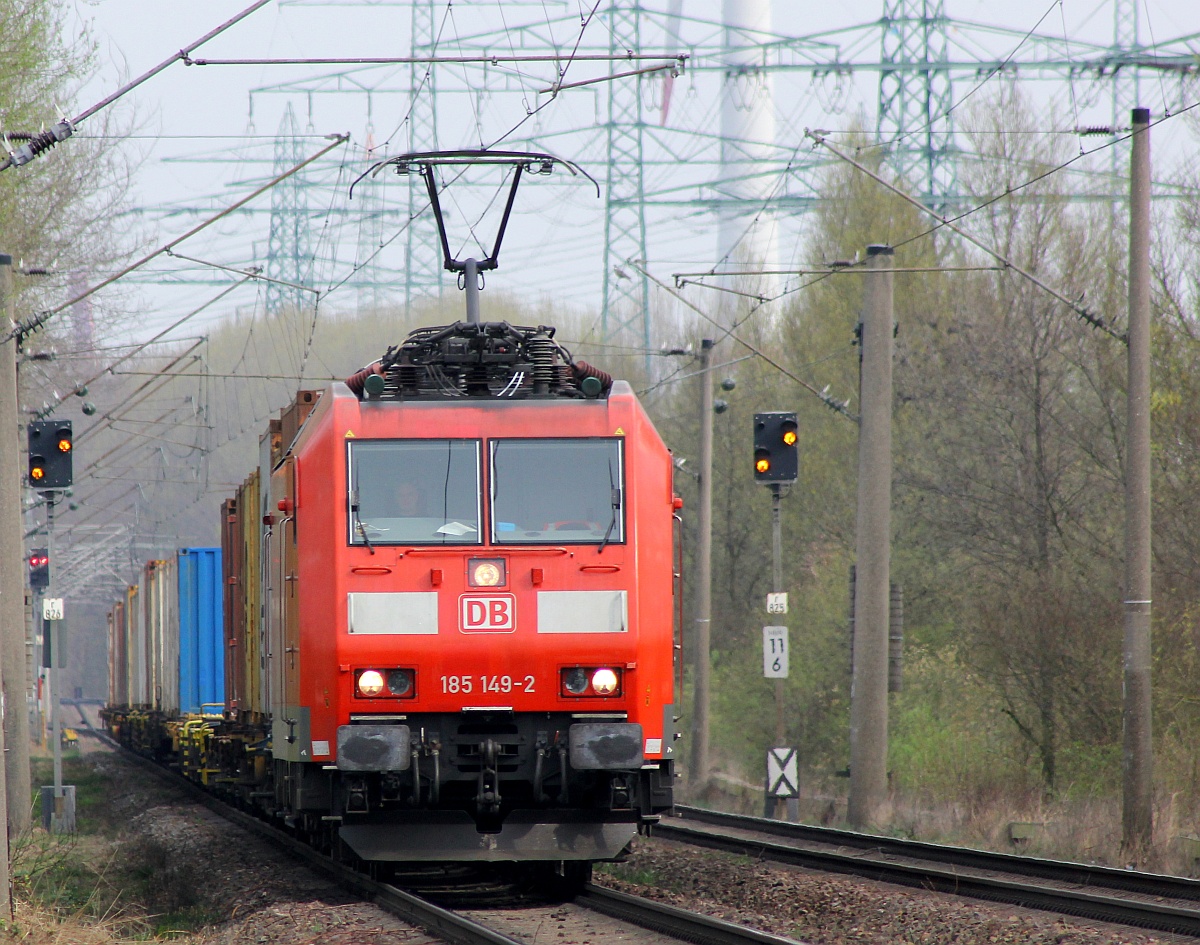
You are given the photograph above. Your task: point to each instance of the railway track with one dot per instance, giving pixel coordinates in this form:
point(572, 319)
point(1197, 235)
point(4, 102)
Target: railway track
point(1144, 900)
point(450, 924)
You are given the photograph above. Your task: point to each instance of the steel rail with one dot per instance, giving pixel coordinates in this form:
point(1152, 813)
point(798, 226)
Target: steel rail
point(672, 921)
point(444, 923)
point(1083, 874)
point(1095, 894)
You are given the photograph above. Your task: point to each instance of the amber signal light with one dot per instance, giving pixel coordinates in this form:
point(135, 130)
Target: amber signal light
point(486, 572)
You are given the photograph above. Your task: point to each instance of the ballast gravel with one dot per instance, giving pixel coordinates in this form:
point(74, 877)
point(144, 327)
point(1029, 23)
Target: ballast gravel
point(821, 909)
point(249, 892)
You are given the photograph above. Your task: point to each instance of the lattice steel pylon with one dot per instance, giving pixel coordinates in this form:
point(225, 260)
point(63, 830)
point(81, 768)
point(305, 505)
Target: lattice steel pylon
point(1126, 85)
point(625, 305)
point(423, 256)
point(370, 230)
point(916, 96)
point(1125, 40)
point(289, 252)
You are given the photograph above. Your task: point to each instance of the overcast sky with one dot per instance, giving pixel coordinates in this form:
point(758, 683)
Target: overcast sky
point(205, 132)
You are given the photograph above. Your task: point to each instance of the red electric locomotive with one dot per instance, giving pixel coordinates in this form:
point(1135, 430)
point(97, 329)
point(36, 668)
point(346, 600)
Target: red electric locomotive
point(467, 645)
point(449, 614)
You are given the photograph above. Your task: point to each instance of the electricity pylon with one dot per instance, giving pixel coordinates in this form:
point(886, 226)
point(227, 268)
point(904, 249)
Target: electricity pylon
point(423, 263)
point(289, 253)
point(660, 172)
point(625, 305)
point(916, 96)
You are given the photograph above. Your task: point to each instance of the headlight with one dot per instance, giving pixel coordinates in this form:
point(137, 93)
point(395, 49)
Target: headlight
point(575, 681)
point(590, 681)
point(399, 682)
point(604, 682)
point(486, 572)
point(370, 683)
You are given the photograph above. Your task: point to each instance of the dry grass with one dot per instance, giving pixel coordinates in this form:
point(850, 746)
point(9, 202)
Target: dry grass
point(1081, 829)
point(36, 925)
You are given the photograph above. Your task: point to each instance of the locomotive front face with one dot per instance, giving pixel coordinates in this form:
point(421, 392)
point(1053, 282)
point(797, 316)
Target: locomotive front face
point(484, 662)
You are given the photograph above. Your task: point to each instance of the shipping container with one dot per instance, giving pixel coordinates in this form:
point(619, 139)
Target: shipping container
point(244, 655)
point(199, 667)
point(135, 661)
point(234, 614)
point(255, 650)
point(157, 594)
point(118, 659)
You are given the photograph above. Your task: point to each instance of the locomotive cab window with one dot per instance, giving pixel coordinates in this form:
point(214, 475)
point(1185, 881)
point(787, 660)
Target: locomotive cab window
point(414, 492)
point(558, 491)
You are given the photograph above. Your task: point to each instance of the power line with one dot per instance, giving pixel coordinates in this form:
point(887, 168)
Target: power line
point(32, 324)
point(66, 127)
point(823, 395)
point(1091, 318)
point(679, 60)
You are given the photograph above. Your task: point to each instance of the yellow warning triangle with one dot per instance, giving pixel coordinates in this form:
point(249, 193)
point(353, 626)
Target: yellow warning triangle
point(619, 432)
point(349, 434)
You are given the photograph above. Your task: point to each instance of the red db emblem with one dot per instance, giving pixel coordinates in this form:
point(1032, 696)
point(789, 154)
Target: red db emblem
point(494, 614)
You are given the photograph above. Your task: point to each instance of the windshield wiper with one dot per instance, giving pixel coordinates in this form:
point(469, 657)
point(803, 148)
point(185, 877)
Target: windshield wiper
point(358, 525)
point(615, 498)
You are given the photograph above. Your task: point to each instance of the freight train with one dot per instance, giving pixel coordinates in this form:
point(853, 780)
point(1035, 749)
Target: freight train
point(449, 623)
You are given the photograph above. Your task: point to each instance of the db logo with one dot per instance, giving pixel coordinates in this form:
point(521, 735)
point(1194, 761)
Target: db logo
point(488, 614)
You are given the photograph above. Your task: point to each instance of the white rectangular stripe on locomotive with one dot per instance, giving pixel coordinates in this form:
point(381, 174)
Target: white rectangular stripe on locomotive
point(415, 612)
point(406, 612)
point(583, 611)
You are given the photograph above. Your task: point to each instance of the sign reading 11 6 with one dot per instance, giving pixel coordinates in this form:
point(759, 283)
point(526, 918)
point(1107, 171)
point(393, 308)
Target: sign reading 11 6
point(775, 652)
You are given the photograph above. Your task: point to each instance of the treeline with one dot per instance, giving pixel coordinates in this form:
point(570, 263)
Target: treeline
point(1007, 499)
point(1008, 445)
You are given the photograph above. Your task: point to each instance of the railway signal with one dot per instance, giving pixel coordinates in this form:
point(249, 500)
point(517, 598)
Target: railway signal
point(776, 456)
point(776, 464)
point(51, 448)
point(39, 569)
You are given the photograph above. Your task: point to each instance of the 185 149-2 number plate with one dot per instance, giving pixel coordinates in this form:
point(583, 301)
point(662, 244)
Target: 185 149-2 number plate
point(486, 683)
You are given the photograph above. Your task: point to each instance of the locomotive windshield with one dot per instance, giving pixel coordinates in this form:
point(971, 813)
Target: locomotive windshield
point(553, 491)
point(414, 492)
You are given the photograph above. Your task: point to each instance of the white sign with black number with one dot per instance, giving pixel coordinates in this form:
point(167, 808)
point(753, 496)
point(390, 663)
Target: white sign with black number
point(775, 652)
point(52, 608)
point(777, 603)
point(782, 780)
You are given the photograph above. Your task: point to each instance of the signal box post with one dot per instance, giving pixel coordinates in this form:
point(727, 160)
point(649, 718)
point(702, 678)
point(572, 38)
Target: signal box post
point(51, 469)
point(776, 464)
point(58, 801)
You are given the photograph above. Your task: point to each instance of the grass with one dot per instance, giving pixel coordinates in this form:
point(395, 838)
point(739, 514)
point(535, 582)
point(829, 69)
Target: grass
point(636, 875)
point(99, 884)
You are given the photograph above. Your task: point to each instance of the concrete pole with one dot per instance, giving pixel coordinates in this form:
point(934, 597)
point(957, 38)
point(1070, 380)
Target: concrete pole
point(771, 804)
point(57, 661)
point(698, 776)
point(1137, 817)
point(777, 587)
point(869, 687)
point(12, 563)
point(13, 674)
